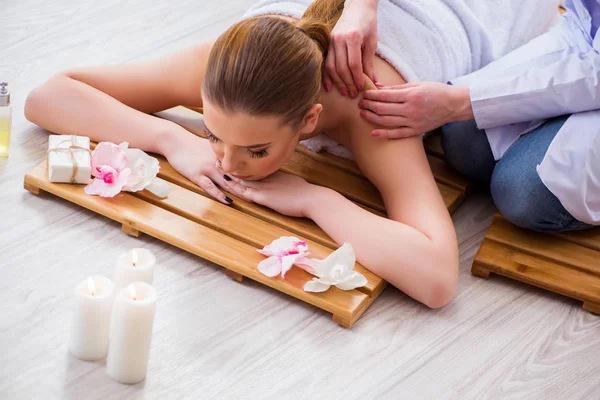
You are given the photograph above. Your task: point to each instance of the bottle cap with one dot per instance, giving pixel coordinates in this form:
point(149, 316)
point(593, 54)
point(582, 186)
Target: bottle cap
point(4, 95)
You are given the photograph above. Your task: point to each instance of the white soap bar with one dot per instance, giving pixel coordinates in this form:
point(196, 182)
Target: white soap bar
point(60, 162)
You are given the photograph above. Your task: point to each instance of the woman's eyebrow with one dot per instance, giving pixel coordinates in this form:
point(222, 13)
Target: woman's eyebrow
point(254, 146)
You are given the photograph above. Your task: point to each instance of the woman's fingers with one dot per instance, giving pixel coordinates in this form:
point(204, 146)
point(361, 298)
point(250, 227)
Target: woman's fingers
point(209, 186)
point(244, 191)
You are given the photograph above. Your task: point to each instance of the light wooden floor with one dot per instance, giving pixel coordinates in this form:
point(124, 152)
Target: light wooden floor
point(215, 338)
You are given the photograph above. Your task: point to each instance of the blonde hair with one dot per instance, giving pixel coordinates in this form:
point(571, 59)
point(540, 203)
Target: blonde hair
point(270, 67)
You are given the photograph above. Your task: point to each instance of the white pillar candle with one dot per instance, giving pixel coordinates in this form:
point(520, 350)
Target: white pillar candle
point(91, 318)
point(136, 265)
point(131, 333)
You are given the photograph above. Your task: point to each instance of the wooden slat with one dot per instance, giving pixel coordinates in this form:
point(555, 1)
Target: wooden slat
point(329, 159)
point(549, 247)
point(235, 255)
point(238, 225)
point(507, 261)
point(357, 189)
point(589, 238)
point(567, 263)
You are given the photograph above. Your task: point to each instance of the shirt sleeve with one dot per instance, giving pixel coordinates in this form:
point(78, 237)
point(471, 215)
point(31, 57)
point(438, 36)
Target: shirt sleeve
point(565, 84)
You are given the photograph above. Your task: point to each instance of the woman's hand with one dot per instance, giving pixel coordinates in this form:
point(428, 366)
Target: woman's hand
point(193, 158)
point(352, 48)
point(285, 193)
point(414, 108)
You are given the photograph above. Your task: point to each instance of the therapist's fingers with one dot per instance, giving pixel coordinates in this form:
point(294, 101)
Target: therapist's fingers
point(381, 108)
point(398, 133)
point(386, 95)
point(341, 64)
point(356, 67)
point(368, 59)
point(330, 67)
point(389, 121)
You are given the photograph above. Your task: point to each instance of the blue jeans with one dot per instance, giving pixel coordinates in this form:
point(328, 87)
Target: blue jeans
point(517, 190)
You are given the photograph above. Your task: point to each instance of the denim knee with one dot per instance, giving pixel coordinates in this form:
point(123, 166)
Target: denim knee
point(467, 150)
point(524, 200)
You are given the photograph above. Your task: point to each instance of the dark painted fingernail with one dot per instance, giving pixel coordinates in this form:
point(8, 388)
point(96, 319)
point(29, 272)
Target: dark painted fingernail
point(363, 113)
point(376, 133)
point(327, 87)
point(353, 94)
point(228, 199)
point(344, 91)
point(227, 177)
point(361, 104)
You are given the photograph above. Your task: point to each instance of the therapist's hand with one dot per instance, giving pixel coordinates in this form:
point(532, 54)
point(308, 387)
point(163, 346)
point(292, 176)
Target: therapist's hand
point(352, 48)
point(414, 108)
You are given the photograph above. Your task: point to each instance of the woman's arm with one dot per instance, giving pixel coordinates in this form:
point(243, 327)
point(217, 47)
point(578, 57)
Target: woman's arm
point(416, 249)
point(112, 103)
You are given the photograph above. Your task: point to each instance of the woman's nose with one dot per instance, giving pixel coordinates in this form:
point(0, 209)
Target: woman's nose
point(229, 162)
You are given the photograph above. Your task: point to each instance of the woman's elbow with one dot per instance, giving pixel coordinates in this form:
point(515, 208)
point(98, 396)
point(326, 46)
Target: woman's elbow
point(442, 287)
point(39, 97)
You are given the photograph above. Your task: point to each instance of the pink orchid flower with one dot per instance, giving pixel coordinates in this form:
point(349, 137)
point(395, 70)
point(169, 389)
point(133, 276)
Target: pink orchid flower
point(109, 168)
point(284, 252)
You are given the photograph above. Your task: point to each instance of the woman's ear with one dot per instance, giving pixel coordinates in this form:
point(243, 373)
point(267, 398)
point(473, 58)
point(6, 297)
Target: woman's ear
point(309, 122)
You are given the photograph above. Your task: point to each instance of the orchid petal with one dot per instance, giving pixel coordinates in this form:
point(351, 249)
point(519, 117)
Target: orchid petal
point(343, 256)
point(287, 262)
point(308, 264)
point(270, 267)
point(144, 169)
point(158, 187)
point(110, 154)
point(316, 286)
point(283, 245)
point(352, 281)
point(96, 187)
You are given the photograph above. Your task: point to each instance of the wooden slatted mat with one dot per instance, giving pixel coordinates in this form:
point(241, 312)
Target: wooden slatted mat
point(230, 235)
point(565, 263)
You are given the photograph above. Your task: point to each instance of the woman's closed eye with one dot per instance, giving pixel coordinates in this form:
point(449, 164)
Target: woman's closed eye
point(252, 153)
point(258, 154)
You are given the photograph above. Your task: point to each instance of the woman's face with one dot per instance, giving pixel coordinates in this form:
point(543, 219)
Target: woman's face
point(249, 147)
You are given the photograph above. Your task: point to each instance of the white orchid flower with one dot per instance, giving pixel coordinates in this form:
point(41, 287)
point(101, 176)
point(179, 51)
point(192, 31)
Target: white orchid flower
point(144, 169)
point(336, 270)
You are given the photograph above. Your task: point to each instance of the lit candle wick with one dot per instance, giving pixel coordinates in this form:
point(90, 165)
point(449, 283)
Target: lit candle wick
point(132, 292)
point(91, 287)
point(134, 258)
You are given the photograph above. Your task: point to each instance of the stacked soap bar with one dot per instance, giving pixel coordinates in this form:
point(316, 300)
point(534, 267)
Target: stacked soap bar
point(69, 159)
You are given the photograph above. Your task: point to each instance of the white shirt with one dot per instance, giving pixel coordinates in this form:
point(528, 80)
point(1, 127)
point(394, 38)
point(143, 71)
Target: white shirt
point(555, 74)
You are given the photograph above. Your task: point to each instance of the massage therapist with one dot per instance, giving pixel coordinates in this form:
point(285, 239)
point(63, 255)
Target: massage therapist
point(528, 124)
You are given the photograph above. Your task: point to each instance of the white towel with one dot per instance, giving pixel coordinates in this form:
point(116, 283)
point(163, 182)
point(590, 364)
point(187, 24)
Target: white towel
point(437, 40)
